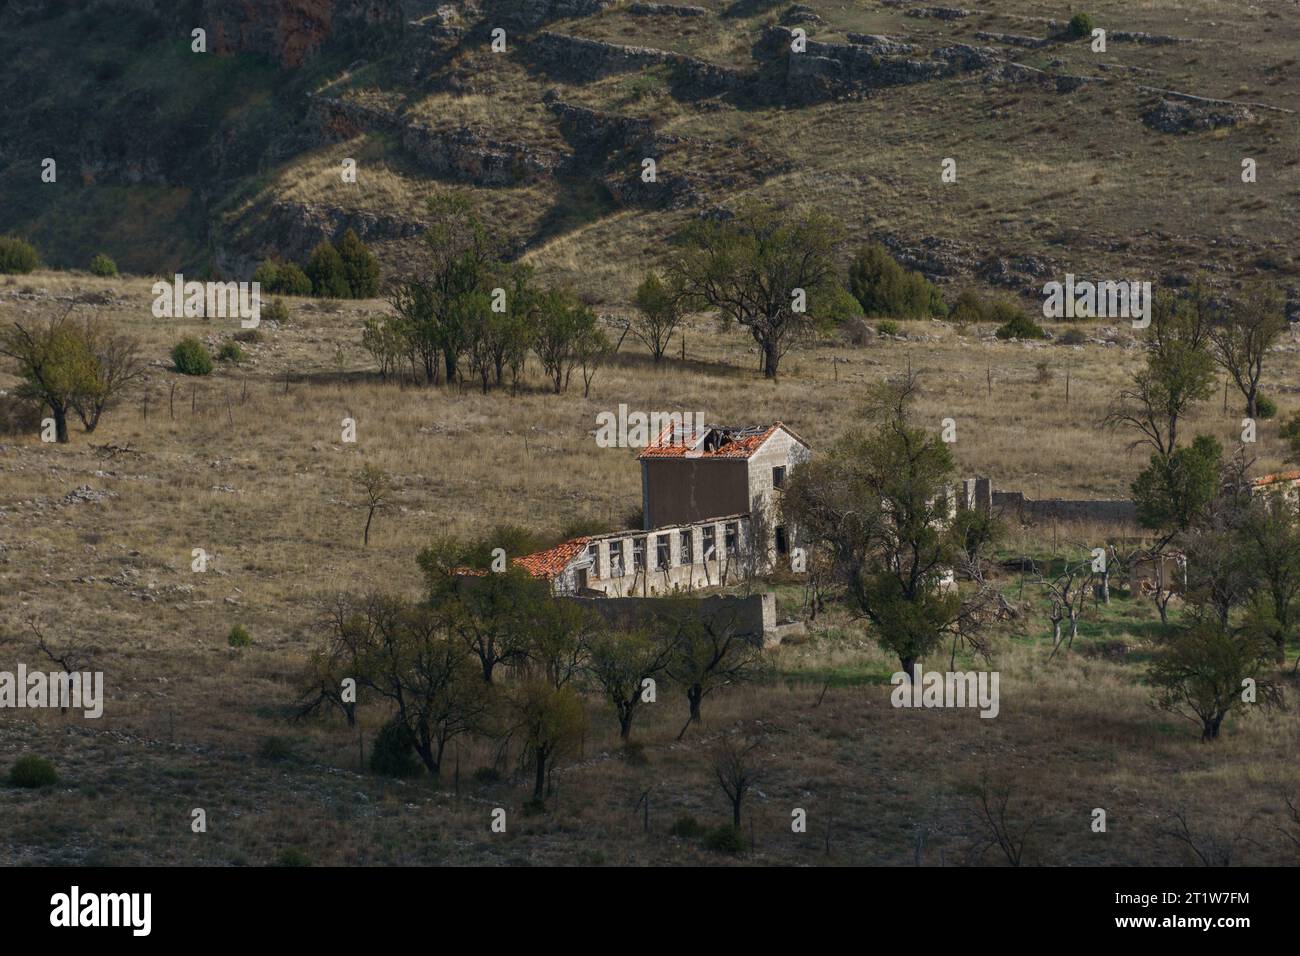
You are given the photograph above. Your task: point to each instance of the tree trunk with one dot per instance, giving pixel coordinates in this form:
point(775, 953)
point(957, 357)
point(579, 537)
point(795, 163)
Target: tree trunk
point(539, 782)
point(1211, 731)
point(771, 359)
point(60, 424)
point(695, 694)
point(366, 535)
point(908, 663)
point(735, 810)
point(625, 711)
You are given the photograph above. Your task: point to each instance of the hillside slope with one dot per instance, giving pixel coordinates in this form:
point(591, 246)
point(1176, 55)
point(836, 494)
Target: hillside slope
point(1067, 160)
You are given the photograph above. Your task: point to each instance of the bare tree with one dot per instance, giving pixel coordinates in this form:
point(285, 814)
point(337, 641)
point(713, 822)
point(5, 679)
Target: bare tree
point(1068, 590)
point(737, 772)
point(1005, 829)
point(1210, 849)
point(375, 485)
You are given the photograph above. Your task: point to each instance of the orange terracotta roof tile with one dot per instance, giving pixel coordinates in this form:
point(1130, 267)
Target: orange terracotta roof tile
point(552, 562)
point(1263, 480)
point(741, 443)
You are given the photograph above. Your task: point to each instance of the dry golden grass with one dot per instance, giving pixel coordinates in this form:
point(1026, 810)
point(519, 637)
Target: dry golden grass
point(263, 484)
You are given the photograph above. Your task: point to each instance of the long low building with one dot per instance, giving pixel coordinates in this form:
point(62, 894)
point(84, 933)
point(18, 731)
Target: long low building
point(681, 557)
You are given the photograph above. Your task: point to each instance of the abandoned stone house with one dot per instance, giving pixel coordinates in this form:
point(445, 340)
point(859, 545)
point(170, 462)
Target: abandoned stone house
point(709, 499)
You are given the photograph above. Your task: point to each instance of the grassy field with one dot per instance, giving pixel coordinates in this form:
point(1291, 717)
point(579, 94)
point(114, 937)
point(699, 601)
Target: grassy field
point(248, 464)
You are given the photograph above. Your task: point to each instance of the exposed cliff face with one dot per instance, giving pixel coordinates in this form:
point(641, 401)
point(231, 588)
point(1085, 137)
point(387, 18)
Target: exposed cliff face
point(290, 32)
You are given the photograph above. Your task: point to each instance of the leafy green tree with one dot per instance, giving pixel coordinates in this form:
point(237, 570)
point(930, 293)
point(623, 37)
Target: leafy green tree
point(326, 272)
point(1242, 340)
point(709, 653)
point(562, 324)
point(17, 256)
point(54, 362)
point(1172, 493)
point(551, 722)
point(493, 613)
point(1179, 372)
point(750, 268)
point(659, 313)
point(1202, 672)
point(360, 267)
point(878, 503)
point(267, 276)
point(116, 366)
point(291, 280)
point(1269, 543)
point(620, 663)
point(406, 655)
point(885, 288)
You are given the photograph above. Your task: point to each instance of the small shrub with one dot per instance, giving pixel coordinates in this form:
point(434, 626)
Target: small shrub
point(534, 807)
point(275, 311)
point(230, 352)
point(968, 308)
point(191, 357)
point(1265, 407)
point(1043, 372)
point(634, 754)
point(249, 335)
point(239, 637)
point(32, 772)
point(725, 839)
point(1073, 337)
point(888, 327)
point(17, 256)
point(486, 775)
point(1080, 25)
point(1017, 325)
point(103, 266)
point(391, 755)
point(687, 827)
point(292, 856)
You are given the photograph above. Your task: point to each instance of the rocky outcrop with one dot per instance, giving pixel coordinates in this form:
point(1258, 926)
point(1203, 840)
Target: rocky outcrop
point(594, 133)
point(881, 45)
point(580, 60)
point(472, 155)
point(1013, 39)
point(828, 70)
point(937, 13)
point(1173, 116)
point(291, 32)
point(1147, 39)
point(665, 10)
point(800, 14)
point(1020, 73)
point(531, 14)
point(333, 119)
